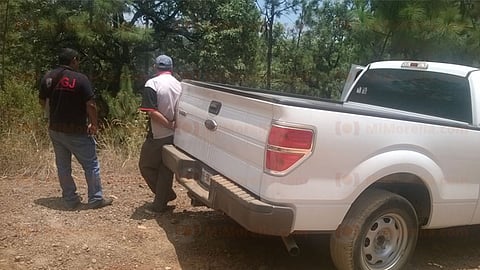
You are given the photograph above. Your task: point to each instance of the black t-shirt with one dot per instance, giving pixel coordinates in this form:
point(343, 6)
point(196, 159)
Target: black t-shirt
point(68, 92)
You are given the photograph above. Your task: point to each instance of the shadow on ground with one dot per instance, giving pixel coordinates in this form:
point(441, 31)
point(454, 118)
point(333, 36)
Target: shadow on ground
point(57, 203)
point(197, 235)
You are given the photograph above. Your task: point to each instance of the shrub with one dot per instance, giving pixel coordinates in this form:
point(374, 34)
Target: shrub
point(26, 148)
point(124, 127)
point(23, 133)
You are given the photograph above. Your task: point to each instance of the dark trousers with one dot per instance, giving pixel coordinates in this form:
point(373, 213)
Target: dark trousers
point(158, 177)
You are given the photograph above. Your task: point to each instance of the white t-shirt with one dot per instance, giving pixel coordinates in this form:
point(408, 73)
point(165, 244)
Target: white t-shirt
point(168, 90)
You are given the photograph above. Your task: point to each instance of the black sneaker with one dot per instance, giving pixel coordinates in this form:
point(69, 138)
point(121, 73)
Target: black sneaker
point(102, 203)
point(73, 204)
point(153, 209)
point(172, 196)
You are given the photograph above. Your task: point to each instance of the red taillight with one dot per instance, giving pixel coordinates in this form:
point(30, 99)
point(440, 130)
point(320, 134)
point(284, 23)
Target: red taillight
point(290, 138)
point(286, 146)
point(279, 162)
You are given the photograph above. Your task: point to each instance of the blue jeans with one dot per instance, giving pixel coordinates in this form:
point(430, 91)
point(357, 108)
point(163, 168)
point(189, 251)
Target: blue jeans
point(83, 147)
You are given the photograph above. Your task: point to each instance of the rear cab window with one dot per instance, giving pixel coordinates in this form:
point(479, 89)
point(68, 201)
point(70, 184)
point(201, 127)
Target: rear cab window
point(429, 93)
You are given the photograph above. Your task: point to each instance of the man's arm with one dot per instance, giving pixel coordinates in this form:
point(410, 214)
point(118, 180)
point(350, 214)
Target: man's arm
point(149, 105)
point(43, 98)
point(92, 117)
point(157, 117)
point(43, 103)
point(43, 93)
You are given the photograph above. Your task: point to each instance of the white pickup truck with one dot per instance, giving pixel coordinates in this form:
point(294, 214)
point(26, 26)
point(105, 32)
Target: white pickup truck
point(396, 154)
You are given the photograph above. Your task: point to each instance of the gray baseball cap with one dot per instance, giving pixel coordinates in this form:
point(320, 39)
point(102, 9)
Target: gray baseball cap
point(163, 61)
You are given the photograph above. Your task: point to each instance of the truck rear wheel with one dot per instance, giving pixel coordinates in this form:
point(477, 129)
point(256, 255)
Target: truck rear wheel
point(379, 232)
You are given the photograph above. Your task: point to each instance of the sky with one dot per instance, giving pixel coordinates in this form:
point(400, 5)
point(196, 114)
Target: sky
point(287, 19)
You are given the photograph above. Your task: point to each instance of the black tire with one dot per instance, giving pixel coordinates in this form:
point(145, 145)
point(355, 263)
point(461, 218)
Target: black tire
point(379, 232)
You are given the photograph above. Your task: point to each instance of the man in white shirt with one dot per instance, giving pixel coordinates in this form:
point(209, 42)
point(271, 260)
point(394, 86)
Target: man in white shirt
point(159, 100)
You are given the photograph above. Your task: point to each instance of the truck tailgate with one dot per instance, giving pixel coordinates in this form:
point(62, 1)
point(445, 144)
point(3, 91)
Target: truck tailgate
point(226, 131)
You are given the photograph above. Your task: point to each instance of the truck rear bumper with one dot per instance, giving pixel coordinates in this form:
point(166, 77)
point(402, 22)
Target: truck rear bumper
point(228, 197)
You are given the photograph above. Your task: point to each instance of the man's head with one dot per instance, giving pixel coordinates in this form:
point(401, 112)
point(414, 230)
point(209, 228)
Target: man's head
point(163, 62)
point(68, 57)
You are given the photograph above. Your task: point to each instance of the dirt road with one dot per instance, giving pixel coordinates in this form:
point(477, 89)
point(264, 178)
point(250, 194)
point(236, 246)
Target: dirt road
point(37, 232)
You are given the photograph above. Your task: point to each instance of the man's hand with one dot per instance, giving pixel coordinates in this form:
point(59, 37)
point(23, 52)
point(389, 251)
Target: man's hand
point(92, 129)
point(159, 118)
point(171, 125)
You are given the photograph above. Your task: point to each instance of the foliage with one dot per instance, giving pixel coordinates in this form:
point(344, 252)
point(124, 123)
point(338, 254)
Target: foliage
point(231, 41)
point(123, 106)
point(272, 9)
point(22, 129)
point(227, 47)
point(19, 101)
point(125, 124)
point(213, 40)
point(435, 30)
point(314, 58)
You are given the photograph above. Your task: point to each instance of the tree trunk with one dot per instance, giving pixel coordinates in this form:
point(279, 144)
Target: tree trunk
point(270, 46)
point(4, 48)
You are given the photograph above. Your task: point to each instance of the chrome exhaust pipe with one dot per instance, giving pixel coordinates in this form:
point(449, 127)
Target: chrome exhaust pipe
point(291, 245)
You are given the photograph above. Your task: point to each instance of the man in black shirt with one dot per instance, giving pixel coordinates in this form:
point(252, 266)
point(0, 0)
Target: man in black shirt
point(72, 112)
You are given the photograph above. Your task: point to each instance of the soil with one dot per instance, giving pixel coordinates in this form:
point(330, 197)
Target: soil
point(38, 232)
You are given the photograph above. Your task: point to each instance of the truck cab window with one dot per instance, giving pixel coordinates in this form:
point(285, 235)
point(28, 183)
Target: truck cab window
point(430, 93)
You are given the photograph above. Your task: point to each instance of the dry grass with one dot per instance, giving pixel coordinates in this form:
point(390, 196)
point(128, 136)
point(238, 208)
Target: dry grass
point(30, 154)
point(24, 153)
point(25, 146)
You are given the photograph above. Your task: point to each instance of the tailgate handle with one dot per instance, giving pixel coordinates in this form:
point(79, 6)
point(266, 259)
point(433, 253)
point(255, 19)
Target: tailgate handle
point(211, 124)
point(214, 107)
